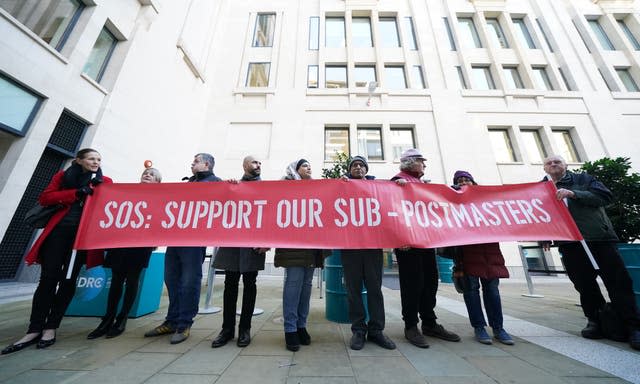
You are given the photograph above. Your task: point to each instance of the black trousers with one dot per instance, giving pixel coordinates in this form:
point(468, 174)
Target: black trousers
point(418, 274)
point(120, 275)
point(612, 272)
point(230, 298)
point(55, 291)
point(364, 266)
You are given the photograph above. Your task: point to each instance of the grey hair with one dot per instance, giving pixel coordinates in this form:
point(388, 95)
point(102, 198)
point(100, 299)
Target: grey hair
point(555, 156)
point(207, 158)
point(407, 163)
point(153, 172)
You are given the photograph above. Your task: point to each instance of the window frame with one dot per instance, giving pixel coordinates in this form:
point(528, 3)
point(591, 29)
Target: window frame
point(537, 140)
point(21, 132)
point(461, 80)
point(411, 131)
point(497, 33)
point(523, 33)
point(601, 35)
point(364, 66)
point(517, 80)
point(544, 76)
point(487, 75)
point(507, 139)
point(366, 153)
point(105, 62)
point(452, 40)
point(316, 32)
point(353, 40)
point(388, 67)
point(344, 31)
point(346, 75)
point(382, 41)
point(627, 32)
point(628, 81)
point(246, 84)
point(317, 75)
point(417, 70)
point(572, 148)
point(337, 129)
point(476, 42)
point(409, 33)
point(255, 42)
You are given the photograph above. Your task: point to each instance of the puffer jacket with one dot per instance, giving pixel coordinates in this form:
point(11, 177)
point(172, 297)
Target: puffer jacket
point(483, 260)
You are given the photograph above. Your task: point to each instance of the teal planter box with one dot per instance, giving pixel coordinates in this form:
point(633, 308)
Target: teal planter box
point(336, 304)
point(630, 254)
point(92, 290)
point(444, 269)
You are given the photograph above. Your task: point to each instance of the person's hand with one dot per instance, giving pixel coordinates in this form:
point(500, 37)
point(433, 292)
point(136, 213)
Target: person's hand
point(564, 193)
point(344, 178)
point(96, 181)
point(261, 250)
point(401, 182)
point(404, 248)
point(546, 245)
point(233, 181)
point(82, 192)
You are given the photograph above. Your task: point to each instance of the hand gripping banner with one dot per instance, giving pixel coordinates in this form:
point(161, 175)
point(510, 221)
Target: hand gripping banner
point(320, 214)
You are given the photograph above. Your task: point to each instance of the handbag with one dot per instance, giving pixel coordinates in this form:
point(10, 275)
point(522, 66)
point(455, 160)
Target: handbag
point(39, 216)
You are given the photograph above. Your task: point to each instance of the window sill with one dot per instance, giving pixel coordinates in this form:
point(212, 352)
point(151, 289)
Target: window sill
point(94, 83)
point(510, 163)
point(33, 36)
point(359, 91)
point(152, 3)
point(625, 95)
point(254, 91)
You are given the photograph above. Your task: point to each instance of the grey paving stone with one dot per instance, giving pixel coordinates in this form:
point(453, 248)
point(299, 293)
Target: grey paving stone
point(46, 376)
point(513, 370)
point(385, 370)
point(437, 361)
point(162, 344)
point(478, 379)
point(204, 360)
point(320, 380)
point(26, 360)
point(266, 343)
point(164, 378)
point(321, 362)
point(263, 369)
point(133, 368)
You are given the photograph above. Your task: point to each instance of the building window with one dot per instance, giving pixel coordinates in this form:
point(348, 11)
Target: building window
point(417, 78)
point(409, 34)
point(336, 140)
point(565, 144)
point(522, 32)
point(497, 34)
point(469, 33)
point(544, 34)
point(361, 32)
point(312, 76)
point(502, 147)
point(461, 81)
point(51, 20)
point(605, 80)
point(400, 140)
point(258, 75)
point(482, 78)
point(314, 33)
point(601, 35)
point(541, 78)
point(18, 107)
point(627, 80)
point(512, 77)
point(533, 145)
point(335, 76)
point(632, 39)
point(263, 35)
point(100, 55)
point(364, 74)
point(394, 77)
point(565, 80)
point(388, 32)
point(452, 42)
point(334, 32)
point(370, 143)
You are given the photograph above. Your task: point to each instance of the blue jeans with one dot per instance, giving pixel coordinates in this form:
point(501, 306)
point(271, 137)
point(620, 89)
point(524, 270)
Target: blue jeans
point(295, 297)
point(491, 298)
point(183, 277)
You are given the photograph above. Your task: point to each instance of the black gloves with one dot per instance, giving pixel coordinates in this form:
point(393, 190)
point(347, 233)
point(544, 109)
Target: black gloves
point(96, 181)
point(81, 193)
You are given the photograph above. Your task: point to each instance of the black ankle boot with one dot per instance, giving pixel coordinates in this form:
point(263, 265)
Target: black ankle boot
point(592, 330)
point(118, 327)
point(102, 329)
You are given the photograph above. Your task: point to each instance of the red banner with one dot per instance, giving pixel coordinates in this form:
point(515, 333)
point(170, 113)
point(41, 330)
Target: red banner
point(320, 214)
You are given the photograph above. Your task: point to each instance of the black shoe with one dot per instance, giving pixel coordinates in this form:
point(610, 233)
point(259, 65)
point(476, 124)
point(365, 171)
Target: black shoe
point(292, 340)
point(305, 338)
point(438, 331)
point(382, 340)
point(42, 344)
point(102, 329)
point(244, 337)
point(415, 337)
point(634, 339)
point(118, 327)
point(592, 330)
point(20, 346)
point(223, 338)
point(357, 341)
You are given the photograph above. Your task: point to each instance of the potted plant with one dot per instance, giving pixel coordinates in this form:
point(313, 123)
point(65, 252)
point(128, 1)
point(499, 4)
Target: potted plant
point(624, 212)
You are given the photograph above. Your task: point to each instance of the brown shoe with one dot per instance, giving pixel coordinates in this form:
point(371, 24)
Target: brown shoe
point(162, 329)
point(180, 336)
point(439, 332)
point(415, 337)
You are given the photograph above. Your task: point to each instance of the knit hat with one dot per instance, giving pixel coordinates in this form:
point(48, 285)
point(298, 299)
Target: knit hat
point(460, 174)
point(361, 159)
point(300, 163)
point(411, 154)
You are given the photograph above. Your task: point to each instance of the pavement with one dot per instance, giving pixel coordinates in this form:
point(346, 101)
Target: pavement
point(548, 348)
